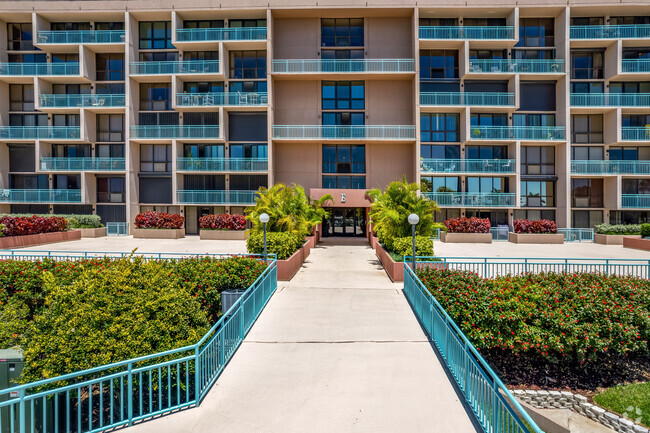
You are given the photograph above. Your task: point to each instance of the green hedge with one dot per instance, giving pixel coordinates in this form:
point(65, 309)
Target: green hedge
point(404, 246)
point(645, 230)
point(618, 229)
point(280, 243)
point(74, 221)
point(2, 227)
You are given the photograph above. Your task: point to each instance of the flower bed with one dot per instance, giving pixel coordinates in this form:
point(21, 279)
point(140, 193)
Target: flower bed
point(536, 226)
point(607, 234)
point(159, 225)
point(222, 227)
point(468, 225)
point(23, 226)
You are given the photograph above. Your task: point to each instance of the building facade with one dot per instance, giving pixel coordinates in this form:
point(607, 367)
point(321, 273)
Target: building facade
point(505, 111)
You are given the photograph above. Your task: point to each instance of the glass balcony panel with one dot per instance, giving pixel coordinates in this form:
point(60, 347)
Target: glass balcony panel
point(60, 68)
point(541, 133)
point(175, 131)
point(40, 196)
point(493, 166)
point(610, 99)
point(83, 164)
point(631, 133)
point(175, 67)
point(307, 66)
point(221, 34)
point(222, 164)
point(88, 100)
point(217, 99)
point(519, 66)
point(635, 201)
point(470, 199)
point(216, 197)
point(466, 32)
point(635, 65)
point(467, 98)
point(82, 37)
point(635, 31)
point(44, 132)
point(375, 132)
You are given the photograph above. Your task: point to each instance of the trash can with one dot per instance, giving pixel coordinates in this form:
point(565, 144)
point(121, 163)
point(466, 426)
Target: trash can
point(229, 298)
point(11, 366)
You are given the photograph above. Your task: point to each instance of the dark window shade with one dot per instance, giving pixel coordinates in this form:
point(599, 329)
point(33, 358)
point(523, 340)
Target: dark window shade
point(34, 209)
point(247, 127)
point(163, 118)
point(201, 118)
point(439, 87)
point(486, 86)
point(155, 190)
point(73, 209)
point(112, 213)
point(537, 96)
point(204, 183)
point(247, 182)
point(21, 159)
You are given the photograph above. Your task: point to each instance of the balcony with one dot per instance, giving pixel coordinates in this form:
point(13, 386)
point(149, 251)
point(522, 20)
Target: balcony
point(40, 132)
point(216, 197)
point(516, 66)
point(27, 69)
point(535, 133)
point(631, 133)
point(222, 164)
point(610, 32)
point(472, 199)
point(635, 201)
point(175, 67)
point(82, 37)
point(317, 66)
point(605, 167)
point(175, 131)
point(82, 101)
point(40, 196)
point(240, 99)
point(221, 34)
point(468, 98)
point(491, 166)
point(82, 164)
point(610, 99)
point(467, 32)
point(341, 132)
point(635, 66)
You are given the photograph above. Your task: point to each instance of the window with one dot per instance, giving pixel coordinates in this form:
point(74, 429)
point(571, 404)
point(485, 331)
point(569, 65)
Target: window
point(28, 181)
point(536, 32)
point(67, 181)
point(534, 214)
point(440, 184)
point(158, 118)
point(69, 26)
point(587, 65)
point(19, 37)
point(110, 190)
point(109, 150)
point(343, 119)
point(531, 54)
point(155, 96)
point(533, 119)
point(110, 127)
point(585, 219)
point(28, 119)
point(109, 26)
point(200, 55)
point(624, 153)
point(247, 23)
point(109, 88)
point(247, 64)
point(156, 157)
point(434, 22)
point(248, 182)
point(586, 128)
point(344, 159)
point(586, 193)
point(636, 120)
point(537, 160)
point(487, 119)
point(587, 87)
point(203, 87)
point(587, 153)
point(246, 150)
point(71, 150)
point(159, 56)
point(343, 95)
point(344, 182)
point(110, 66)
point(203, 151)
point(488, 54)
point(629, 87)
point(21, 97)
point(155, 35)
point(203, 24)
point(587, 21)
point(487, 185)
point(71, 89)
point(438, 64)
point(27, 58)
point(486, 152)
point(537, 193)
point(66, 120)
point(629, 217)
point(439, 151)
point(440, 127)
point(342, 32)
point(618, 21)
point(65, 58)
point(636, 186)
point(341, 55)
point(484, 22)
point(636, 53)
point(201, 118)
point(248, 86)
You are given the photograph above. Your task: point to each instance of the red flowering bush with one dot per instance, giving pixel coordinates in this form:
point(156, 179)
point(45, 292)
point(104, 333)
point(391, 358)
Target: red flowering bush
point(223, 222)
point(159, 220)
point(21, 226)
point(468, 225)
point(539, 226)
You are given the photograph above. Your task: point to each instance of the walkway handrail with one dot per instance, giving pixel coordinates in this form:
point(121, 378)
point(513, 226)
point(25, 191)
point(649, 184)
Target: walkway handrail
point(65, 255)
point(491, 401)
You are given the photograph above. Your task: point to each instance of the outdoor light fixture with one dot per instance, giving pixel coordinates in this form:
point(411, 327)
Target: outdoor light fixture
point(264, 218)
point(413, 219)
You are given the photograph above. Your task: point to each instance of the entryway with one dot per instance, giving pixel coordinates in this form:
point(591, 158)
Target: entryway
point(345, 222)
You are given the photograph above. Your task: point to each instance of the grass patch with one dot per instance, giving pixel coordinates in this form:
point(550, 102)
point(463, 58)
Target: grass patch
point(632, 401)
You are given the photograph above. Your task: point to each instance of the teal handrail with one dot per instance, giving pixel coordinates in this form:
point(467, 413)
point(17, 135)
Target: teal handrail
point(472, 199)
point(627, 31)
point(468, 98)
point(58, 68)
point(518, 66)
point(635, 133)
point(577, 234)
point(610, 99)
point(40, 196)
point(83, 164)
point(336, 132)
point(175, 67)
point(599, 167)
point(174, 131)
point(635, 201)
point(81, 37)
point(307, 66)
point(221, 34)
point(221, 98)
point(82, 100)
point(34, 132)
point(496, 166)
point(117, 229)
point(222, 164)
point(635, 65)
point(466, 32)
point(537, 133)
point(216, 197)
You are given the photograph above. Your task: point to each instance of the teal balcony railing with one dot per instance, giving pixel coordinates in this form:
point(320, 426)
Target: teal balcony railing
point(82, 37)
point(42, 132)
point(58, 68)
point(635, 201)
point(631, 133)
point(610, 99)
point(175, 131)
point(334, 132)
point(630, 31)
point(311, 66)
point(222, 164)
point(472, 199)
point(90, 100)
point(225, 98)
point(221, 34)
point(610, 167)
point(468, 98)
point(519, 66)
point(541, 133)
point(40, 196)
point(175, 67)
point(82, 164)
point(467, 32)
point(635, 65)
point(216, 197)
point(496, 166)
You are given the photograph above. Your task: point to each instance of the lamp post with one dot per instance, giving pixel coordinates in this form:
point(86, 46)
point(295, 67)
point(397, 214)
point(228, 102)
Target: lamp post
point(414, 219)
point(264, 218)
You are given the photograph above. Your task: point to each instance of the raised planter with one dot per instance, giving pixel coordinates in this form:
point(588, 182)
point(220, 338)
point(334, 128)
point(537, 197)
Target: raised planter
point(536, 238)
point(311, 241)
point(395, 270)
point(306, 248)
point(39, 239)
point(98, 232)
point(636, 242)
point(222, 235)
point(159, 233)
point(466, 238)
point(612, 239)
point(374, 242)
point(288, 268)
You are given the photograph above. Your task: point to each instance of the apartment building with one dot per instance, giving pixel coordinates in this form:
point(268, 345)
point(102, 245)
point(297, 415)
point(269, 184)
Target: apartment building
point(515, 110)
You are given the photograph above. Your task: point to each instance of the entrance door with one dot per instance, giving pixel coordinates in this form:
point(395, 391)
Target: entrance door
point(345, 222)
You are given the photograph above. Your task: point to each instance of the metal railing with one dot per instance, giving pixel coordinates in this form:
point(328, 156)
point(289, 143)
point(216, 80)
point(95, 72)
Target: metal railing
point(632, 133)
point(610, 99)
point(496, 166)
point(472, 199)
point(122, 393)
point(175, 67)
point(492, 403)
point(499, 235)
point(468, 98)
point(81, 37)
point(221, 34)
point(40, 196)
point(516, 66)
point(577, 235)
point(83, 164)
point(311, 66)
point(537, 133)
point(58, 68)
point(88, 100)
point(467, 32)
point(222, 164)
point(117, 229)
point(635, 65)
point(223, 98)
point(335, 132)
point(174, 131)
point(35, 132)
point(635, 201)
point(610, 167)
point(629, 31)
point(216, 197)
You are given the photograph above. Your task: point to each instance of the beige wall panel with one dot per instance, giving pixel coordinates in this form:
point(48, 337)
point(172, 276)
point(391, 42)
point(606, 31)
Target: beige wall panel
point(296, 38)
point(386, 162)
point(297, 163)
point(389, 38)
point(389, 102)
point(296, 102)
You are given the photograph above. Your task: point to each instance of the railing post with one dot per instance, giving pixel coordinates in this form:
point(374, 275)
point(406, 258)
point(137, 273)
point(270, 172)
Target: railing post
point(197, 375)
point(495, 409)
point(130, 395)
point(22, 411)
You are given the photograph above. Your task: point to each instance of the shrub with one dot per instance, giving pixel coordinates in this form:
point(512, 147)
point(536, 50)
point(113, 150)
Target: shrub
point(645, 230)
point(441, 226)
point(22, 226)
point(223, 222)
point(538, 226)
point(159, 220)
point(82, 221)
point(468, 225)
point(404, 246)
point(618, 229)
point(281, 244)
point(2, 230)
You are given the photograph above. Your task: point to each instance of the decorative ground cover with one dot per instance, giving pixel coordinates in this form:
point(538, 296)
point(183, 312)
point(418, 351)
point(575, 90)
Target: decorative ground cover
point(632, 401)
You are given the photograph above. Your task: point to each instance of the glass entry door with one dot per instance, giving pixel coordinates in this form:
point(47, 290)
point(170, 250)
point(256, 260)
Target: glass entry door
point(345, 222)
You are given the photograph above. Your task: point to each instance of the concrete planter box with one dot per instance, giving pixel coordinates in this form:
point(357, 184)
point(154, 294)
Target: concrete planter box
point(158, 233)
point(612, 239)
point(536, 238)
point(311, 241)
point(288, 268)
point(39, 239)
point(466, 238)
point(636, 242)
point(99, 232)
point(395, 270)
point(306, 249)
point(222, 235)
point(374, 242)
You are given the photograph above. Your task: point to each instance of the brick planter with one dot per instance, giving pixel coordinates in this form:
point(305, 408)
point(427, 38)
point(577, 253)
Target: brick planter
point(374, 242)
point(536, 238)
point(99, 232)
point(636, 242)
point(39, 239)
point(311, 241)
point(222, 235)
point(466, 238)
point(158, 233)
point(306, 249)
point(612, 239)
point(395, 270)
point(288, 268)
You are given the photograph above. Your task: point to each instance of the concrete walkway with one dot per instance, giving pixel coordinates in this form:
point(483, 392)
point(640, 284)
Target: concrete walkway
point(337, 349)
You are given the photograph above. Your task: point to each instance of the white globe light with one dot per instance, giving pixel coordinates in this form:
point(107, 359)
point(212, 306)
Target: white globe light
point(414, 219)
point(264, 218)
